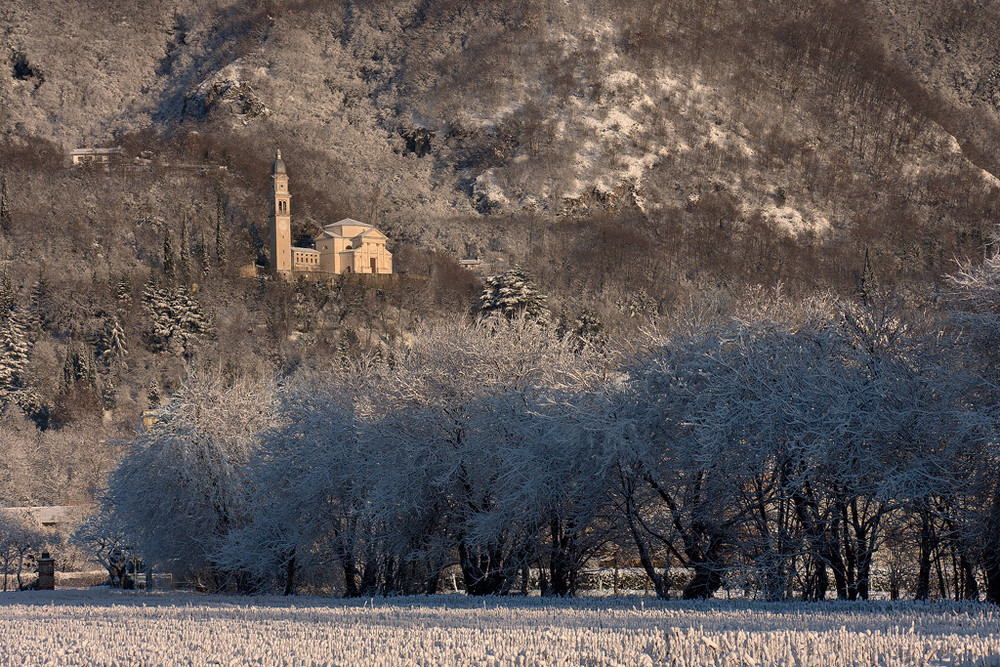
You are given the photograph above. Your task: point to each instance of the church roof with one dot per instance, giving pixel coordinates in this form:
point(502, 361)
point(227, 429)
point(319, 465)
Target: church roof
point(347, 221)
point(279, 165)
point(332, 230)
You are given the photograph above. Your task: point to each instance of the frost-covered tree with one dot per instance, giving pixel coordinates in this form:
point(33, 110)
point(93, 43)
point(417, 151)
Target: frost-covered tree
point(14, 348)
point(79, 366)
point(123, 288)
point(182, 486)
point(789, 448)
point(309, 491)
point(451, 435)
point(555, 475)
point(674, 491)
point(113, 347)
point(19, 538)
point(513, 294)
point(109, 543)
point(18, 442)
point(176, 319)
point(974, 308)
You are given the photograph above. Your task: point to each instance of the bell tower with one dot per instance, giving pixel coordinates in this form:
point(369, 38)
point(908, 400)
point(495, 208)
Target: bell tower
point(281, 221)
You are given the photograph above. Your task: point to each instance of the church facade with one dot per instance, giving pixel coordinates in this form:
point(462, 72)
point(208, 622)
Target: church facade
point(347, 246)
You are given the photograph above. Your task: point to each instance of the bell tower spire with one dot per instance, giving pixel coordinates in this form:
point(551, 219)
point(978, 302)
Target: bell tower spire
point(281, 220)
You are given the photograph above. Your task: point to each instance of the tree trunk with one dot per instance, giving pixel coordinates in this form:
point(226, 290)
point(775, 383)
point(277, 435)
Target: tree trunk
point(290, 574)
point(703, 547)
point(991, 566)
point(991, 550)
point(661, 582)
point(706, 581)
point(350, 575)
point(483, 572)
point(970, 587)
point(562, 566)
point(433, 581)
point(924, 572)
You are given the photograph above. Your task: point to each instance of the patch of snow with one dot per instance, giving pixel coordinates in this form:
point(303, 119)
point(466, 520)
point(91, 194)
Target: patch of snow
point(792, 222)
point(621, 80)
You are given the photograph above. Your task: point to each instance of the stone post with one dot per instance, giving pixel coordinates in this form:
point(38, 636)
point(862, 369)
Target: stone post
point(46, 572)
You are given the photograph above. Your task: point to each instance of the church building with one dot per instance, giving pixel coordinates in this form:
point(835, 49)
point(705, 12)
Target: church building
point(347, 246)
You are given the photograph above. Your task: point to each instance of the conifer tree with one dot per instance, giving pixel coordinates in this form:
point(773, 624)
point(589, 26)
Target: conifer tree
point(114, 347)
point(185, 255)
point(513, 294)
point(868, 283)
point(14, 349)
point(123, 288)
point(192, 323)
point(176, 318)
point(79, 366)
point(168, 257)
point(220, 246)
point(6, 294)
point(41, 310)
point(206, 258)
point(5, 218)
point(155, 299)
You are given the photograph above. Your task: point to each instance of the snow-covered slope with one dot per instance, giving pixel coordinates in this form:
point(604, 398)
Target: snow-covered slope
point(438, 109)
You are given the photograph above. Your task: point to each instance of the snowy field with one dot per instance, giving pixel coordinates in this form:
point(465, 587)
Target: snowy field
point(100, 627)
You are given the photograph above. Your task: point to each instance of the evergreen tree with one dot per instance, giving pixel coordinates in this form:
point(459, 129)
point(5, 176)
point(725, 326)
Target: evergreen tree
point(185, 254)
point(868, 283)
point(176, 318)
point(220, 246)
point(192, 323)
point(168, 257)
point(123, 288)
point(206, 258)
point(79, 366)
point(113, 346)
point(41, 309)
point(14, 349)
point(7, 294)
point(157, 302)
point(513, 294)
point(5, 218)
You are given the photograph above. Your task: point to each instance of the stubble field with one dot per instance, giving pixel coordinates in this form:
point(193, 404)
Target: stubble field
point(100, 627)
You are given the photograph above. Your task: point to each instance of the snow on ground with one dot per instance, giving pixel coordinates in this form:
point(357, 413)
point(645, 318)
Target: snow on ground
point(102, 627)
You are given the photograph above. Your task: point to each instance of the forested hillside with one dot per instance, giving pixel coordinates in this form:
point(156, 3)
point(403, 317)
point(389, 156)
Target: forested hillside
point(649, 166)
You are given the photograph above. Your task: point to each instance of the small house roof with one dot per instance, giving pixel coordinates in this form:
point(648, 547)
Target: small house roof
point(96, 151)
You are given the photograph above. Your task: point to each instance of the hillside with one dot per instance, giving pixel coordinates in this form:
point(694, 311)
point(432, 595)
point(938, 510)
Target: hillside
point(642, 163)
point(429, 115)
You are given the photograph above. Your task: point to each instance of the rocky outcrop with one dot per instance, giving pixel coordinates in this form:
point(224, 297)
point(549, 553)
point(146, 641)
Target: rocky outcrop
point(226, 92)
